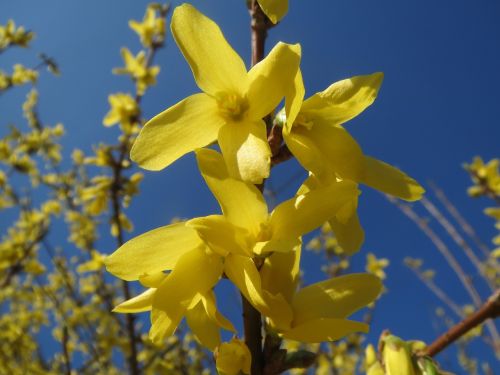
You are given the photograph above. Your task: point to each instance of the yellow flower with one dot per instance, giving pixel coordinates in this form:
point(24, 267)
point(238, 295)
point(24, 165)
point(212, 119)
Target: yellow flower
point(319, 310)
point(275, 10)
point(229, 110)
point(10, 35)
point(151, 30)
point(233, 357)
point(123, 110)
point(137, 68)
point(23, 75)
point(376, 266)
point(200, 250)
point(314, 133)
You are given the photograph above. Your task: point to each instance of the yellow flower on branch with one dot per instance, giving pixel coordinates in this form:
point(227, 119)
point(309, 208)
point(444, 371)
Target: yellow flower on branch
point(229, 110)
point(275, 10)
point(124, 110)
point(320, 310)
point(200, 250)
point(314, 134)
point(152, 28)
point(137, 68)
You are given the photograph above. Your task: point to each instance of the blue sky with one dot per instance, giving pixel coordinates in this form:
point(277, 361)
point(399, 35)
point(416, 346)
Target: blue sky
point(438, 107)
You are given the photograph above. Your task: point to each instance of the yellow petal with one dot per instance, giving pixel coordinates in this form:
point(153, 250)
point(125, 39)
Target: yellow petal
point(280, 273)
point(197, 271)
point(325, 149)
point(205, 329)
point(140, 303)
point(275, 10)
point(243, 273)
point(154, 251)
point(304, 213)
point(241, 203)
point(222, 236)
point(390, 180)
point(344, 99)
point(188, 125)
point(246, 151)
point(270, 79)
point(282, 245)
point(208, 300)
point(293, 102)
point(163, 324)
point(152, 280)
point(320, 330)
point(338, 297)
point(349, 234)
point(216, 66)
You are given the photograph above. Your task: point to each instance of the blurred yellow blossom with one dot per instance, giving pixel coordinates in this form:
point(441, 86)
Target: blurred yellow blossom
point(232, 358)
point(137, 68)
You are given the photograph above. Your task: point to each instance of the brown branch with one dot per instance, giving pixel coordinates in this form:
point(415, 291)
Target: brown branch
point(67, 360)
point(252, 324)
point(489, 310)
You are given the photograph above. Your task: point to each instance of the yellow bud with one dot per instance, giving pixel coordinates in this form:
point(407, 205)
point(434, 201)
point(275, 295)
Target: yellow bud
point(397, 357)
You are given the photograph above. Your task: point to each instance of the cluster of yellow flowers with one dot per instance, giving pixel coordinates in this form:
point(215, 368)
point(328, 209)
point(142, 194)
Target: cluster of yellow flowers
point(486, 179)
point(10, 35)
point(258, 251)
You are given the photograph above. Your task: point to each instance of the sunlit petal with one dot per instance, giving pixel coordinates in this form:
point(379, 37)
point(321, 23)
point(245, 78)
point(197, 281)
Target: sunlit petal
point(140, 303)
point(182, 128)
point(304, 213)
point(275, 10)
point(216, 66)
point(320, 330)
point(242, 203)
point(246, 151)
point(222, 236)
point(152, 252)
point(338, 297)
point(344, 99)
point(390, 180)
point(270, 79)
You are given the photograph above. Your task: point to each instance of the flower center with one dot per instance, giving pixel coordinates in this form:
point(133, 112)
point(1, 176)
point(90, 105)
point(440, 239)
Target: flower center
point(302, 120)
point(231, 105)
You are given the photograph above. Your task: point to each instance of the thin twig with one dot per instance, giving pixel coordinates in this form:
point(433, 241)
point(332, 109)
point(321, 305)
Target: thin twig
point(452, 261)
point(457, 238)
point(453, 211)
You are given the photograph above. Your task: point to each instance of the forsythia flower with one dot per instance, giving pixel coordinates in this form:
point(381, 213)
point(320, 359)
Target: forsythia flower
point(199, 251)
point(23, 75)
point(275, 10)
point(10, 35)
point(123, 110)
point(314, 133)
point(319, 310)
point(376, 266)
point(233, 357)
point(151, 29)
point(229, 110)
point(138, 69)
